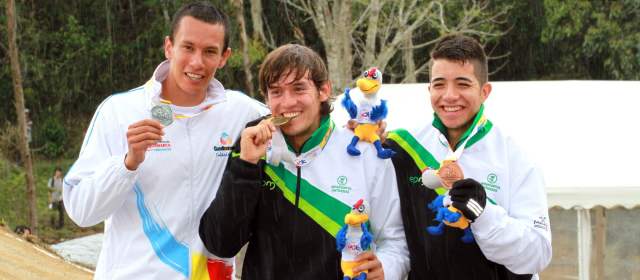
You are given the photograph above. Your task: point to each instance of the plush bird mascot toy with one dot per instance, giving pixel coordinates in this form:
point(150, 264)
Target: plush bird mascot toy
point(448, 173)
point(367, 109)
point(354, 239)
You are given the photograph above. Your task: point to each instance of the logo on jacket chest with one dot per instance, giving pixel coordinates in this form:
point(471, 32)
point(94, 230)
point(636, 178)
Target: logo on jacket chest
point(341, 185)
point(161, 146)
point(225, 145)
point(491, 183)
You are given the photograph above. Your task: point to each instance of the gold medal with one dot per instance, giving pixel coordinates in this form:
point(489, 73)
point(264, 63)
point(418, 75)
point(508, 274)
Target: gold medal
point(280, 120)
point(449, 173)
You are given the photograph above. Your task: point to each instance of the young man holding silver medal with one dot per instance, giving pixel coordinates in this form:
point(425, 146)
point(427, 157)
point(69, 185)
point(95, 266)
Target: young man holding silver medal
point(153, 157)
point(486, 175)
point(290, 206)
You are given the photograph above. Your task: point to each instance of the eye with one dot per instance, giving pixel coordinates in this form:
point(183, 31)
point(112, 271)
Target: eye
point(375, 75)
point(365, 74)
point(273, 93)
point(361, 208)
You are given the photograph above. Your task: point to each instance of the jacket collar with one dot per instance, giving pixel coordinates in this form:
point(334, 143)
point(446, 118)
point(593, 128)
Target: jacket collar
point(216, 92)
point(437, 123)
point(318, 138)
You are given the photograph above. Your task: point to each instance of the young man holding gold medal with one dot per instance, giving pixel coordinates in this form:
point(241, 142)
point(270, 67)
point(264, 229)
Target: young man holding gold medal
point(287, 189)
point(153, 157)
point(481, 171)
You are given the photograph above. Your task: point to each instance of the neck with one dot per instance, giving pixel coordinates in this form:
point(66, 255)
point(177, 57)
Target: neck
point(454, 134)
point(172, 93)
point(298, 141)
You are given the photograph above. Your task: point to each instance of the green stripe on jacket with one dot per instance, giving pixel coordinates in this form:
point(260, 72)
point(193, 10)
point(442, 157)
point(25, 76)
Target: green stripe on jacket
point(325, 210)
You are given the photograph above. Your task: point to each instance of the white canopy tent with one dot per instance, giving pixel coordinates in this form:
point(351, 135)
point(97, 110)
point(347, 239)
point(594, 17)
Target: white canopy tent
point(583, 134)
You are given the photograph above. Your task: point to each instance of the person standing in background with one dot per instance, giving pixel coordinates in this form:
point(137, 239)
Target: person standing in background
point(55, 197)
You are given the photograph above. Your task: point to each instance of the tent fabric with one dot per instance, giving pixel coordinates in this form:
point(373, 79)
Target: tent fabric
point(583, 134)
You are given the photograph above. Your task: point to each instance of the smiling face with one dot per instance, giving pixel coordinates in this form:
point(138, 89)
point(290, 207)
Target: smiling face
point(300, 99)
point(195, 53)
point(456, 94)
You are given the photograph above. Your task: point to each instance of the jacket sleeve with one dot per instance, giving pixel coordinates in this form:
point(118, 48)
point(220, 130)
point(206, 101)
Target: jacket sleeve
point(386, 223)
point(226, 225)
point(519, 237)
point(98, 182)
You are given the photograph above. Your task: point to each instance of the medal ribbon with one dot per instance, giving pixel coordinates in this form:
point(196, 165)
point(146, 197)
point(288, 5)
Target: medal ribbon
point(451, 155)
point(159, 101)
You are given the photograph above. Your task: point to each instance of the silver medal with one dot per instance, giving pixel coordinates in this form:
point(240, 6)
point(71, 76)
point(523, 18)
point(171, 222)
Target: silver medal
point(163, 114)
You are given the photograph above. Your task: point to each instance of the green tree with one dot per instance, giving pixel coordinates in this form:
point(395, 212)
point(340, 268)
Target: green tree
point(593, 39)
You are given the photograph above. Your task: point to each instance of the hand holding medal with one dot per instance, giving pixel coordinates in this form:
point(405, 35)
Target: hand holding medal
point(140, 136)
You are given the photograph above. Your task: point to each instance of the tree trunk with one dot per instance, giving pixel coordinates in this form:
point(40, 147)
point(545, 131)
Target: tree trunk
point(25, 153)
point(244, 42)
point(256, 19)
point(336, 36)
point(372, 33)
point(409, 63)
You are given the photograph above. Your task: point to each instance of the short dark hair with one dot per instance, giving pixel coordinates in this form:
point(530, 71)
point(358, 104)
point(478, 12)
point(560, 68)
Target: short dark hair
point(201, 11)
point(294, 58)
point(462, 48)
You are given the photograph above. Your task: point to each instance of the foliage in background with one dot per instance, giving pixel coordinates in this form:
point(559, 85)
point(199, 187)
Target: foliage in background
point(597, 39)
point(75, 53)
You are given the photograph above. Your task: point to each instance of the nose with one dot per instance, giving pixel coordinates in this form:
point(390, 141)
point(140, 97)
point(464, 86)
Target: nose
point(450, 93)
point(289, 99)
point(196, 60)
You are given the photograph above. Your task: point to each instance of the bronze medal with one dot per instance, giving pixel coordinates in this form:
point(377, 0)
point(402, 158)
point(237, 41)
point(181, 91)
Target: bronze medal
point(449, 173)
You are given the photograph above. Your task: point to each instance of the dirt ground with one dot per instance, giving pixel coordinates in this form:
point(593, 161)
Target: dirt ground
point(20, 259)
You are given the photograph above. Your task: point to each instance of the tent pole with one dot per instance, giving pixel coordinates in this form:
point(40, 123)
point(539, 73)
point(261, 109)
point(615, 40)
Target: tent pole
point(584, 242)
point(600, 242)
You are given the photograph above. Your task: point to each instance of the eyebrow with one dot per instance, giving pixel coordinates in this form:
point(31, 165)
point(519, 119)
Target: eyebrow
point(438, 79)
point(186, 42)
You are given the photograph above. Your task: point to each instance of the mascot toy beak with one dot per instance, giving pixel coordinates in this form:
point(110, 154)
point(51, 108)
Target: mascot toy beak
point(370, 82)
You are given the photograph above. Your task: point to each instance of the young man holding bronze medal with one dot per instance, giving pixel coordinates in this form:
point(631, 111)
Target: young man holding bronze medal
point(480, 172)
point(153, 157)
point(287, 189)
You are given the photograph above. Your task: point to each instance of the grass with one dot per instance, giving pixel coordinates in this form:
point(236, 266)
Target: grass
point(13, 201)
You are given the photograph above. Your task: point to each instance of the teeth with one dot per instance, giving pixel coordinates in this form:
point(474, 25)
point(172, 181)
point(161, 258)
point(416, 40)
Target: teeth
point(194, 76)
point(291, 114)
point(452, 108)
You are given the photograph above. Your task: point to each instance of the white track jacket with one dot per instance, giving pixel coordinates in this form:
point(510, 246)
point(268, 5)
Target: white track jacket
point(152, 214)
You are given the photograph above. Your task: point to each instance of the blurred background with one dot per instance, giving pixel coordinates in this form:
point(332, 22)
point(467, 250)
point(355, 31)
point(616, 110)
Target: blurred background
point(75, 53)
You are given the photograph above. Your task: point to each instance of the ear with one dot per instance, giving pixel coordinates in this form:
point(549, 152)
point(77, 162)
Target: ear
point(485, 91)
point(225, 55)
point(325, 91)
point(168, 48)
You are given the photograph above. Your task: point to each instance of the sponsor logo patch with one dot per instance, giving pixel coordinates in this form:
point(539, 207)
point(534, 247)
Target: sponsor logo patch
point(225, 145)
point(492, 183)
point(269, 184)
point(162, 146)
point(415, 180)
point(541, 223)
point(341, 187)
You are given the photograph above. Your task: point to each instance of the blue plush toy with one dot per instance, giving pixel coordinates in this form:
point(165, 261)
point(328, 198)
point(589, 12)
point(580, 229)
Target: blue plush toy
point(445, 213)
point(354, 239)
point(367, 109)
